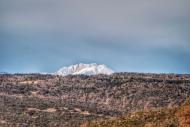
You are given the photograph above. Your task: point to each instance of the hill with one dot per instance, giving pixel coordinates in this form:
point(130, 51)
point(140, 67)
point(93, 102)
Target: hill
point(163, 117)
point(52, 100)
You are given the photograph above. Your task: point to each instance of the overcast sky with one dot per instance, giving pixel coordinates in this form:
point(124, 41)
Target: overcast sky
point(126, 35)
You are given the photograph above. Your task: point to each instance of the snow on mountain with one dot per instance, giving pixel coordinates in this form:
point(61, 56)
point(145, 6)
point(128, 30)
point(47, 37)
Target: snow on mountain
point(86, 69)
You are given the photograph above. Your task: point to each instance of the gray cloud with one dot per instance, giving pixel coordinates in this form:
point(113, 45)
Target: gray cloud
point(148, 20)
point(84, 28)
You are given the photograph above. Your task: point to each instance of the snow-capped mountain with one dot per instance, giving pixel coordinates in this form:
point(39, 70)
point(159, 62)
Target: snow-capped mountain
point(86, 69)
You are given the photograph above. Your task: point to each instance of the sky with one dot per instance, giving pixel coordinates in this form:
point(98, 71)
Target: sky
point(126, 35)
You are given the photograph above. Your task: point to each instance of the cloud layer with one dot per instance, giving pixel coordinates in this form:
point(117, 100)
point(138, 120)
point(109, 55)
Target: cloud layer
point(128, 35)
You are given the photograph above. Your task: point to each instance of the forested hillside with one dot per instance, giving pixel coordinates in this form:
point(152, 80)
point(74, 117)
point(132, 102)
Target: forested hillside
point(50, 100)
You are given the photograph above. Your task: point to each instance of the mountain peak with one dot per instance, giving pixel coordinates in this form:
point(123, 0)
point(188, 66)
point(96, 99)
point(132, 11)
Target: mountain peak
point(86, 69)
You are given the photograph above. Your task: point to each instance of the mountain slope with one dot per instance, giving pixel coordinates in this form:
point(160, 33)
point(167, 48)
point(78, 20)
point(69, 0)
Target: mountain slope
point(85, 69)
point(163, 117)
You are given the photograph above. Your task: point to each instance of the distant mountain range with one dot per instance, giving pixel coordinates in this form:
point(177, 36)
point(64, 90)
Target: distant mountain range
point(4, 73)
point(85, 69)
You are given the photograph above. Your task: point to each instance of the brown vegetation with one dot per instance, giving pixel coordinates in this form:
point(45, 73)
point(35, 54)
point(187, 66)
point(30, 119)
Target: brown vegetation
point(165, 117)
point(68, 101)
